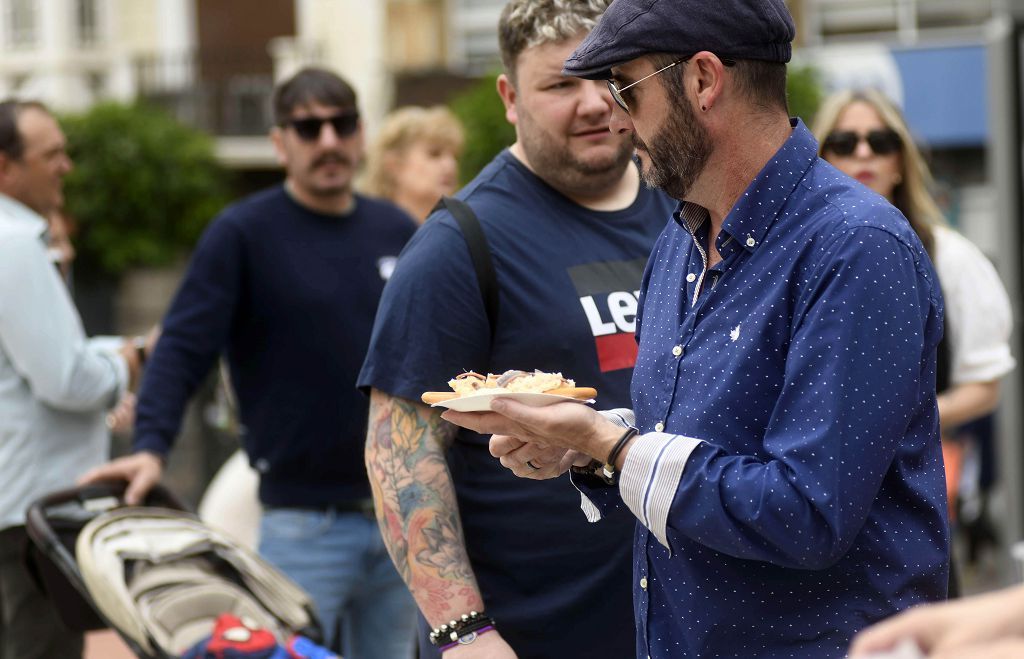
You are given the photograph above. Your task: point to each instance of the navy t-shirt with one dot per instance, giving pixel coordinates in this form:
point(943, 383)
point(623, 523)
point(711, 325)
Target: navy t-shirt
point(568, 278)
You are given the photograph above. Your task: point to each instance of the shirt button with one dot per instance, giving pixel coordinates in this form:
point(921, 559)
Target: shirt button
point(643, 583)
point(678, 350)
point(750, 241)
point(691, 277)
point(659, 426)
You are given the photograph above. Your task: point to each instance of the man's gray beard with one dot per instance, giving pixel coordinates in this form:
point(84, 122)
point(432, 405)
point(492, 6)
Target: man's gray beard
point(564, 172)
point(677, 154)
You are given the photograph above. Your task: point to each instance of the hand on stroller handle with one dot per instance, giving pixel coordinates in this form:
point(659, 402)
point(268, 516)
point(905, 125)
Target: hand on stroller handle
point(141, 470)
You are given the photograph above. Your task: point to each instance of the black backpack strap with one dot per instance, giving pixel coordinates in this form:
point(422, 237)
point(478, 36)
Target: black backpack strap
point(478, 252)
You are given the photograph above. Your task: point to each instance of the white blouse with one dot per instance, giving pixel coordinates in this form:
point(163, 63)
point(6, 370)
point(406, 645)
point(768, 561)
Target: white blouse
point(978, 315)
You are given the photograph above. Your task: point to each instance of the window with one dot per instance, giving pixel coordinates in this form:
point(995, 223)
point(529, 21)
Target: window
point(474, 30)
point(87, 21)
point(21, 23)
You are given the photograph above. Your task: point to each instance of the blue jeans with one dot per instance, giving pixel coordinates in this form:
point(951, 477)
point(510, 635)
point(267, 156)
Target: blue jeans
point(340, 560)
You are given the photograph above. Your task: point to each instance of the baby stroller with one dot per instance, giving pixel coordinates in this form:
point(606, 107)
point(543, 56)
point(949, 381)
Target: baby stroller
point(156, 574)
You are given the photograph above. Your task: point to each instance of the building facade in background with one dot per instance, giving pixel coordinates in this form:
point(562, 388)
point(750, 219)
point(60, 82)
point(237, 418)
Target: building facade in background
point(213, 64)
point(73, 53)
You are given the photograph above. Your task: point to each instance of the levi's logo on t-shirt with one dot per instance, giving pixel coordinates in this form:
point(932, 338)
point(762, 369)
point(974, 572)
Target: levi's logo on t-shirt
point(608, 295)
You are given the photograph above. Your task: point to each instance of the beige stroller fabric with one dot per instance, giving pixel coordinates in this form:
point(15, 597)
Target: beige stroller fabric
point(162, 577)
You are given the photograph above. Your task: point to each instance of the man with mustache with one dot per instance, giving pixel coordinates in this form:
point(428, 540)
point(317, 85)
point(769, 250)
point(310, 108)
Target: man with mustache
point(783, 463)
point(285, 284)
point(569, 226)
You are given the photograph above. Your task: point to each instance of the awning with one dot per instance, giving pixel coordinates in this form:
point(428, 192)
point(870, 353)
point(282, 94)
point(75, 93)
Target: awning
point(943, 90)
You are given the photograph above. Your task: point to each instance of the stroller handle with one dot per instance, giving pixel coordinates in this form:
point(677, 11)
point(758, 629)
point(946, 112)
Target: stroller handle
point(53, 522)
point(94, 493)
point(101, 495)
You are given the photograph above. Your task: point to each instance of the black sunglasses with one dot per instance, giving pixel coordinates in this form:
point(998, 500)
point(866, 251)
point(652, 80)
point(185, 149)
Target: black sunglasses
point(308, 128)
point(844, 142)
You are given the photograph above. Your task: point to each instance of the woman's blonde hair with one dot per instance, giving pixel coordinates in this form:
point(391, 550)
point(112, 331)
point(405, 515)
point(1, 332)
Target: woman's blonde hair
point(911, 195)
point(403, 128)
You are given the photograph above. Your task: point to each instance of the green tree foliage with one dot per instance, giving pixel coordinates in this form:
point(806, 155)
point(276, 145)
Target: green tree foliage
point(487, 131)
point(803, 86)
point(143, 187)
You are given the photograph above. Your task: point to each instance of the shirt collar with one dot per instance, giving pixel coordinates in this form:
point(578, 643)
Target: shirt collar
point(690, 216)
point(16, 215)
point(756, 209)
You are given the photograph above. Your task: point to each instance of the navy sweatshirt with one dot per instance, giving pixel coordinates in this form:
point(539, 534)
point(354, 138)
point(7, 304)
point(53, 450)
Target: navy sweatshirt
point(289, 295)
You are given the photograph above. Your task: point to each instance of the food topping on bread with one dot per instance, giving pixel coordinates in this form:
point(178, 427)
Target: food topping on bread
point(467, 383)
point(511, 381)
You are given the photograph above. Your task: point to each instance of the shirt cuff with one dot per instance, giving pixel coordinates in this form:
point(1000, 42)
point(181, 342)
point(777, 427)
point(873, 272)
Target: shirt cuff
point(591, 511)
point(983, 365)
point(120, 367)
point(624, 418)
point(650, 477)
point(592, 497)
point(620, 416)
point(109, 348)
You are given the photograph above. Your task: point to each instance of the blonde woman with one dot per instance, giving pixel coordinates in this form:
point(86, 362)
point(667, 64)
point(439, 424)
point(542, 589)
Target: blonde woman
point(864, 135)
point(414, 159)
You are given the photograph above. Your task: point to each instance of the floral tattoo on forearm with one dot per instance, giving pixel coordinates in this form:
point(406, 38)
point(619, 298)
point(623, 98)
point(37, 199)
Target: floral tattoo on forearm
point(416, 506)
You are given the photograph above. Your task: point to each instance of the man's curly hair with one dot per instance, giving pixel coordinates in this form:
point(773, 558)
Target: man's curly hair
point(528, 23)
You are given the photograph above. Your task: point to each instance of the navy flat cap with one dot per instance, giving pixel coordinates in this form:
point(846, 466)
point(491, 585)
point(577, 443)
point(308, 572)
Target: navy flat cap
point(739, 29)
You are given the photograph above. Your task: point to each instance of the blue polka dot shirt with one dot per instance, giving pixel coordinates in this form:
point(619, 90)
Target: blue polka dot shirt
point(788, 483)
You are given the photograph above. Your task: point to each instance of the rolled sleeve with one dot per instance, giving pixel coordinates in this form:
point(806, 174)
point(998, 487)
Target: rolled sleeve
point(648, 481)
point(650, 478)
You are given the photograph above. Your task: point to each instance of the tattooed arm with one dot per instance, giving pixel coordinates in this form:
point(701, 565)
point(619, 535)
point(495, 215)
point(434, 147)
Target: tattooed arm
point(418, 515)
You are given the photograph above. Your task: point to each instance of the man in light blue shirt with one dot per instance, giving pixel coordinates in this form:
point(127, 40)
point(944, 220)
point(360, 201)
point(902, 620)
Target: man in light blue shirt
point(55, 385)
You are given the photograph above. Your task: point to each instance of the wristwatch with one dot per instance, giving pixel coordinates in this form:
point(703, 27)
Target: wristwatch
point(593, 469)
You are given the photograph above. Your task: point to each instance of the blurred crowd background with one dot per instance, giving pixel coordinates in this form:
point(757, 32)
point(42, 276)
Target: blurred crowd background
point(166, 105)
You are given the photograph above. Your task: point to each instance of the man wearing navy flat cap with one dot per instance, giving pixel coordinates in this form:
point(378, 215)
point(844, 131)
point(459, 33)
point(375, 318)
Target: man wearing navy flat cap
point(784, 461)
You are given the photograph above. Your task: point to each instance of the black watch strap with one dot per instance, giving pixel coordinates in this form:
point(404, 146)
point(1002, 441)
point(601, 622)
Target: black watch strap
point(592, 470)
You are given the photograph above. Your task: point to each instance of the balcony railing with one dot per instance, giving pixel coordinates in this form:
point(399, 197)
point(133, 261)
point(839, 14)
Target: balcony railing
point(222, 94)
point(907, 21)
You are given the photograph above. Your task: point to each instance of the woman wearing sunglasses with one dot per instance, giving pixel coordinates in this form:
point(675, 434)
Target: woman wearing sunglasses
point(865, 136)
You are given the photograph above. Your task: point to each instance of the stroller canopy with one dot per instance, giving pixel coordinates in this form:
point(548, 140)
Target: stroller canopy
point(162, 578)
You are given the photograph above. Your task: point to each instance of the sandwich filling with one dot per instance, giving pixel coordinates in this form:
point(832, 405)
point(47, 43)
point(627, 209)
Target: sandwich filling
point(470, 383)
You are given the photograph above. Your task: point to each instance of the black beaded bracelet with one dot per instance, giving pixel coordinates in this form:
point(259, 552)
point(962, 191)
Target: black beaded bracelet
point(456, 629)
